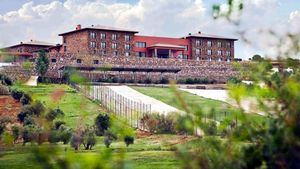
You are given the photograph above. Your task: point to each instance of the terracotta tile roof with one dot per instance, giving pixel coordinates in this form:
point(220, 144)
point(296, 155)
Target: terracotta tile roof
point(100, 27)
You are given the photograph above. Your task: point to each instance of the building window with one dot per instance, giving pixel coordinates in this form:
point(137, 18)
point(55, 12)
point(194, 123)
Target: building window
point(92, 44)
point(209, 52)
point(78, 60)
point(141, 54)
point(96, 62)
point(219, 44)
point(115, 53)
point(197, 51)
point(197, 58)
point(127, 54)
point(65, 49)
point(114, 45)
point(103, 45)
point(127, 37)
point(53, 60)
point(92, 35)
point(140, 44)
point(228, 53)
point(127, 47)
point(103, 52)
point(103, 36)
point(209, 44)
point(114, 37)
point(228, 44)
point(219, 52)
point(198, 43)
point(64, 40)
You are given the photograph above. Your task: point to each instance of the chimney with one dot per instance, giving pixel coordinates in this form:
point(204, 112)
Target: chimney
point(190, 33)
point(199, 32)
point(78, 27)
point(92, 25)
point(21, 42)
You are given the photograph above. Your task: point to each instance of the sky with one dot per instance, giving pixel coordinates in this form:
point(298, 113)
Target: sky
point(23, 20)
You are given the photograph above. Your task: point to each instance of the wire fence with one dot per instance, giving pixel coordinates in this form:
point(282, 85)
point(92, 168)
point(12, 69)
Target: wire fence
point(122, 107)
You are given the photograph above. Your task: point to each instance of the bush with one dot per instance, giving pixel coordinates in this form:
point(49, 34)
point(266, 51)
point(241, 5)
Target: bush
point(189, 81)
point(57, 124)
point(29, 134)
point(128, 140)
point(16, 94)
point(76, 140)
point(211, 128)
point(5, 80)
point(89, 138)
point(102, 123)
point(109, 138)
point(234, 80)
point(25, 99)
point(148, 81)
point(16, 131)
point(160, 124)
point(164, 80)
point(54, 113)
point(65, 134)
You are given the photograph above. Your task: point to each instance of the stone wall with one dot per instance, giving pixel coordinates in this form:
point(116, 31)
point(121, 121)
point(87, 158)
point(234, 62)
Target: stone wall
point(214, 70)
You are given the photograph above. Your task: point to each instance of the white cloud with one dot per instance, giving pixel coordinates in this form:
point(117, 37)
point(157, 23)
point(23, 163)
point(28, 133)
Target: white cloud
point(151, 17)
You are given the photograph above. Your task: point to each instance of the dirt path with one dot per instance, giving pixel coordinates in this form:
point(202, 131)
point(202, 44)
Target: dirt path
point(156, 105)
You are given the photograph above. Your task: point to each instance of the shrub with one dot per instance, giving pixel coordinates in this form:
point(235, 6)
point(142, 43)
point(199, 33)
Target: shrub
point(128, 140)
point(2, 128)
point(102, 123)
point(148, 81)
point(234, 80)
point(25, 99)
point(57, 124)
point(211, 128)
point(29, 134)
point(54, 113)
point(65, 134)
point(53, 136)
point(189, 81)
point(5, 80)
point(76, 140)
point(89, 138)
point(16, 94)
point(156, 123)
point(164, 81)
point(109, 138)
point(38, 108)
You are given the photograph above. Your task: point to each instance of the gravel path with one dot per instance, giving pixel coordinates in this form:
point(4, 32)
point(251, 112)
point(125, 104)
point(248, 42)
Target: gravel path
point(156, 105)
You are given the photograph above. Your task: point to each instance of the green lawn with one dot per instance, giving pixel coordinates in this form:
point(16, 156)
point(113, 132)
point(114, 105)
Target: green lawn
point(76, 107)
point(154, 152)
point(222, 110)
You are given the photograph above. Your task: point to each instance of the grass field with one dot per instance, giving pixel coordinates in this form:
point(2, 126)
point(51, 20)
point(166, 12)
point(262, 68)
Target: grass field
point(76, 107)
point(152, 152)
point(195, 102)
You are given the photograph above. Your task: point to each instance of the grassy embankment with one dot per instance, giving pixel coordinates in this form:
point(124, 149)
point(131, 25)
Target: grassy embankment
point(222, 110)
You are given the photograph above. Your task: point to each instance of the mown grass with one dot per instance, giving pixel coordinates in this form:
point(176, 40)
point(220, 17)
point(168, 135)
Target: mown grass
point(215, 109)
point(77, 108)
point(154, 152)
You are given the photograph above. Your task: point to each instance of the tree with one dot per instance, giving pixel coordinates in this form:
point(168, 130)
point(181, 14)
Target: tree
point(257, 58)
point(16, 94)
point(102, 123)
point(89, 138)
point(42, 63)
point(54, 113)
point(25, 99)
point(128, 140)
point(76, 140)
point(109, 138)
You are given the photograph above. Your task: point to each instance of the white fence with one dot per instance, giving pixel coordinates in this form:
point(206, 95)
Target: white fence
point(117, 104)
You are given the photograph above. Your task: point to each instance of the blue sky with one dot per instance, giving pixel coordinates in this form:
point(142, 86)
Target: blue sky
point(21, 20)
